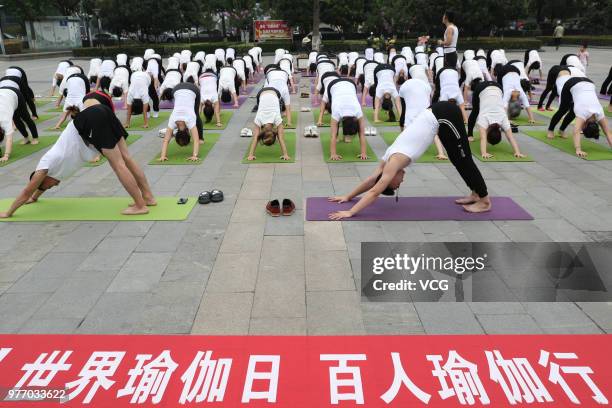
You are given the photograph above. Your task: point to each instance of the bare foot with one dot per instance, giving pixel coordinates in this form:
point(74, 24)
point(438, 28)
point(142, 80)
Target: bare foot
point(34, 141)
point(150, 202)
point(135, 211)
point(480, 206)
point(471, 199)
point(25, 142)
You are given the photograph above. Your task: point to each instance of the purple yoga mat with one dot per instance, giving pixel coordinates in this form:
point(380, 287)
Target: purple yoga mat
point(416, 209)
point(170, 105)
point(604, 97)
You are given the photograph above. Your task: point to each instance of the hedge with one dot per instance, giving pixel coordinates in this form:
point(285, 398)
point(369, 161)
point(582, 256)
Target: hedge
point(268, 47)
point(600, 40)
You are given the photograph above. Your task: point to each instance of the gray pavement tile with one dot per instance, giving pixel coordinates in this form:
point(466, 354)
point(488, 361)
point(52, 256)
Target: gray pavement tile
point(509, 324)
point(599, 312)
point(141, 273)
point(50, 326)
point(224, 313)
point(115, 313)
point(346, 318)
point(163, 237)
point(233, 273)
point(17, 308)
point(562, 317)
point(448, 318)
point(328, 271)
point(85, 237)
point(278, 326)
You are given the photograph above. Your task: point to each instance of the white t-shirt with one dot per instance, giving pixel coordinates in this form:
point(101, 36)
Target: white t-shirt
point(326, 81)
point(139, 87)
point(268, 110)
point(432, 60)
point(240, 66)
point(277, 79)
point(70, 71)
point(278, 54)
point(13, 72)
point(220, 54)
point(586, 102)
point(255, 54)
point(521, 68)
point(227, 77)
point(574, 61)
point(379, 57)
point(107, 68)
point(210, 62)
point(94, 67)
point(449, 86)
point(76, 90)
point(492, 109)
point(408, 54)
point(62, 67)
point(285, 65)
point(153, 68)
point(352, 57)
point(344, 101)
point(417, 97)
point(230, 53)
point(185, 57)
point(386, 83)
point(208, 87)
point(534, 56)
point(368, 74)
point(498, 57)
point(148, 53)
point(472, 70)
point(560, 83)
point(454, 33)
point(468, 55)
point(483, 68)
point(137, 64)
point(400, 65)
point(369, 54)
point(343, 59)
point(512, 82)
point(122, 59)
point(312, 57)
point(173, 63)
point(359, 67)
point(184, 102)
point(200, 55)
point(421, 59)
point(415, 138)
point(68, 154)
point(172, 79)
point(191, 71)
point(419, 72)
point(121, 79)
point(8, 105)
point(11, 84)
point(324, 67)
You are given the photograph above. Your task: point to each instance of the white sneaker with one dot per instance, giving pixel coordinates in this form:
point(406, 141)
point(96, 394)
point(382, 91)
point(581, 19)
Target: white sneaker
point(249, 133)
point(162, 132)
point(373, 131)
point(307, 131)
point(243, 132)
point(367, 131)
point(155, 114)
point(314, 131)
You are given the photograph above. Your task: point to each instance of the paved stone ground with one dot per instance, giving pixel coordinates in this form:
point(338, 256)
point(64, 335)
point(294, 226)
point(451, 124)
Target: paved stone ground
point(230, 269)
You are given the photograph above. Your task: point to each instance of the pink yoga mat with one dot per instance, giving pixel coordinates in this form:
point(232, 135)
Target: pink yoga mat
point(416, 209)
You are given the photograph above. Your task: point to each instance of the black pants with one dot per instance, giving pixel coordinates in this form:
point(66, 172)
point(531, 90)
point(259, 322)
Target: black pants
point(557, 42)
point(453, 136)
point(606, 87)
point(21, 117)
point(154, 97)
point(450, 59)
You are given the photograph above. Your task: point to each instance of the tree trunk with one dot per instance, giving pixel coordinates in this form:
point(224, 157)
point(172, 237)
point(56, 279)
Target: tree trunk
point(223, 29)
point(316, 37)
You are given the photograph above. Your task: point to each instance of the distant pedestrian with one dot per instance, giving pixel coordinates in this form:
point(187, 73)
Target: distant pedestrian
point(583, 55)
point(558, 34)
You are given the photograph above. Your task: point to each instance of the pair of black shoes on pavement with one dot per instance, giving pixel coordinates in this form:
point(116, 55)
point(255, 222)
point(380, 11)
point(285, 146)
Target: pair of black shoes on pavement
point(215, 196)
point(275, 210)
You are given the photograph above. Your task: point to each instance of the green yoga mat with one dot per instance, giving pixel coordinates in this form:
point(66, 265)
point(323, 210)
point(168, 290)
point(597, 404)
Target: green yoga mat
point(428, 157)
point(138, 120)
point(502, 152)
point(382, 115)
point(272, 154)
point(226, 115)
point(40, 102)
point(294, 119)
point(131, 139)
point(62, 127)
point(523, 120)
point(56, 109)
point(21, 151)
point(96, 209)
point(348, 151)
point(595, 151)
point(326, 118)
point(177, 155)
point(43, 117)
point(605, 108)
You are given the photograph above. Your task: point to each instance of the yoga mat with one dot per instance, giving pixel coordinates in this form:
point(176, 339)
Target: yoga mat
point(326, 118)
point(226, 115)
point(294, 119)
point(382, 115)
point(348, 151)
point(177, 155)
point(166, 105)
point(96, 209)
point(52, 129)
point(605, 97)
point(416, 209)
point(241, 99)
point(119, 105)
point(56, 109)
point(605, 108)
point(428, 157)
point(272, 154)
point(549, 114)
point(595, 151)
point(20, 151)
point(502, 152)
point(523, 120)
point(40, 102)
point(154, 123)
point(131, 139)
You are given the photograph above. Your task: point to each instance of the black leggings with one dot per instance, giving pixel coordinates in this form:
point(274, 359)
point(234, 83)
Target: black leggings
point(566, 105)
point(21, 115)
point(453, 136)
point(551, 89)
point(154, 97)
point(450, 59)
point(606, 87)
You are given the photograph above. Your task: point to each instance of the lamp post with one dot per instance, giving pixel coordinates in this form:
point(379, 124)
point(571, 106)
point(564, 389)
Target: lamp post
point(1, 33)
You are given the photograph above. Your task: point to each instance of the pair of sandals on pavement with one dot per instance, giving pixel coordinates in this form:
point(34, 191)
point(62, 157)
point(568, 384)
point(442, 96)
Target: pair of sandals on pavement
point(275, 209)
point(371, 131)
point(214, 196)
point(246, 132)
point(311, 131)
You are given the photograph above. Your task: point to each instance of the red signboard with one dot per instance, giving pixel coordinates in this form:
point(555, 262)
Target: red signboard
point(271, 29)
point(345, 371)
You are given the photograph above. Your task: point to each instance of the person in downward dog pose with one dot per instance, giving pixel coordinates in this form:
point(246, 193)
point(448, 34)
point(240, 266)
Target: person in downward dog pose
point(229, 85)
point(95, 130)
point(327, 78)
point(75, 88)
point(15, 77)
point(209, 97)
point(268, 123)
point(447, 89)
point(13, 109)
point(185, 123)
point(277, 78)
point(138, 97)
point(489, 113)
point(515, 97)
point(445, 119)
point(386, 93)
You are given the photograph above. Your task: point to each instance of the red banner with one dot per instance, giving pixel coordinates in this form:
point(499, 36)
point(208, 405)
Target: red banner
point(271, 29)
point(375, 371)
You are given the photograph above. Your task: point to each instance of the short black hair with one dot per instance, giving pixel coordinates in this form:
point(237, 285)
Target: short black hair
point(226, 96)
point(388, 191)
point(591, 130)
point(182, 137)
point(494, 134)
point(387, 104)
point(117, 91)
point(401, 79)
point(475, 83)
point(1, 135)
point(137, 106)
point(526, 85)
point(350, 125)
point(167, 95)
point(209, 111)
point(450, 16)
point(190, 79)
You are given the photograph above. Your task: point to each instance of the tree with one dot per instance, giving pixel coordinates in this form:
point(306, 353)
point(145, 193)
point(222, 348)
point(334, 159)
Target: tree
point(347, 14)
point(66, 7)
point(26, 10)
point(316, 35)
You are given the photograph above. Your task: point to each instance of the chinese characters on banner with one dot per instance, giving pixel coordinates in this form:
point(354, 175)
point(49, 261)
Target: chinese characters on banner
point(271, 30)
point(378, 371)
